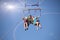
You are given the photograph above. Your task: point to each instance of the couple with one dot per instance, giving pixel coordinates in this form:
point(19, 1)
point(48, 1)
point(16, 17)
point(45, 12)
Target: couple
point(31, 20)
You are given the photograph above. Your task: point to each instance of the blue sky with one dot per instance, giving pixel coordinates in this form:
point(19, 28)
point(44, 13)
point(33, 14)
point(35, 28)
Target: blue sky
point(11, 23)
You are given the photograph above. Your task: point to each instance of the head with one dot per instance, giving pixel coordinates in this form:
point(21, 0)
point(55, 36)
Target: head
point(24, 18)
point(36, 17)
point(30, 16)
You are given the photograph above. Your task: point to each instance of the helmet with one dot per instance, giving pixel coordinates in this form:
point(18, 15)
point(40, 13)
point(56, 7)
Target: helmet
point(25, 17)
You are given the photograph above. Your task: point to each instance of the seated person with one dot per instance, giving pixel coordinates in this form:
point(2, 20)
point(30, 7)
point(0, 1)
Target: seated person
point(25, 23)
point(36, 22)
point(30, 19)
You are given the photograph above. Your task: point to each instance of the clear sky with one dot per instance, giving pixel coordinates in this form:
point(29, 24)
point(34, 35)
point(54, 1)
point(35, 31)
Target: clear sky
point(11, 23)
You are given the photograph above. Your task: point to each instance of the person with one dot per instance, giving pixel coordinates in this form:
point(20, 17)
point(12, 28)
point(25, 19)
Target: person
point(25, 23)
point(36, 22)
point(30, 19)
point(27, 20)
